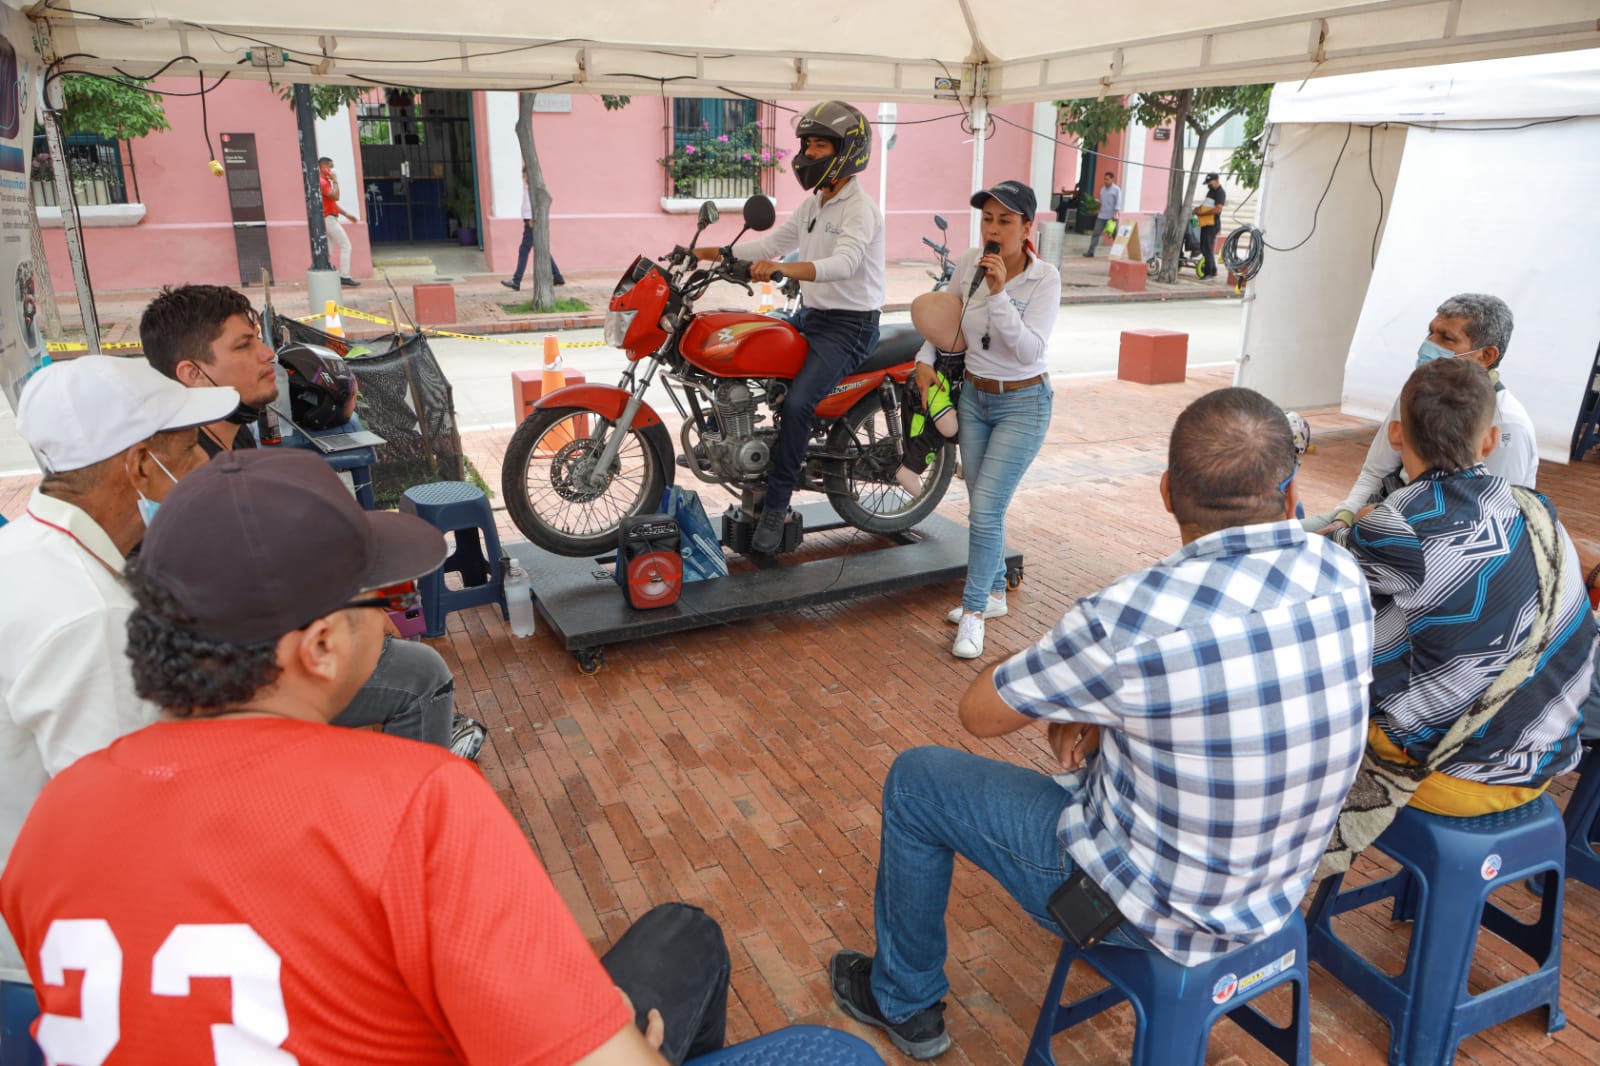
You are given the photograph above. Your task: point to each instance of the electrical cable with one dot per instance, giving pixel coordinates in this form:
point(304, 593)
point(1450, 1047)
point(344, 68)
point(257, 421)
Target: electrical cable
point(1378, 226)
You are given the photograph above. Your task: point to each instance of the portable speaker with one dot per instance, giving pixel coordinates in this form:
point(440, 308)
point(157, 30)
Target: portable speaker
point(649, 568)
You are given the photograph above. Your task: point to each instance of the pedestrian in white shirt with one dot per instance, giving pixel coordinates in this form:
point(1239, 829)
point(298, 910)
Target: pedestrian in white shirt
point(1005, 403)
point(112, 436)
point(1470, 325)
point(839, 233)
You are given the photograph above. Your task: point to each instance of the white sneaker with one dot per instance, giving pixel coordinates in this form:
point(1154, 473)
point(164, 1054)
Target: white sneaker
point(995, 608)
point(969, 638)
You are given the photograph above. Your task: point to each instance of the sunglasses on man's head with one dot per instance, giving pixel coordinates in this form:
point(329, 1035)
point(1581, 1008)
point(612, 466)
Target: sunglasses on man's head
point(401, 597)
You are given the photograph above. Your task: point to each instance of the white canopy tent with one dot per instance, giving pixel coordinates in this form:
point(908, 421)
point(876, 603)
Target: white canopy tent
point(1006, 50)
point(1485, 175)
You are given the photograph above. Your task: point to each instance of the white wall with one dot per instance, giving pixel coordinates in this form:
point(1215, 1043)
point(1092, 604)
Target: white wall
point(505, 154)
point(335, 141)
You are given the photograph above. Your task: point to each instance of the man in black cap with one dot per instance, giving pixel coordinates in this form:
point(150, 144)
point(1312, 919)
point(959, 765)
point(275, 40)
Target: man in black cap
point(360, 896)
point(1210, 214)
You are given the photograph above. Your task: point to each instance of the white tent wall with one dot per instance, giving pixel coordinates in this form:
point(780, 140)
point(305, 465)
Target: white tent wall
point(1508, 212)
point(1300, 311)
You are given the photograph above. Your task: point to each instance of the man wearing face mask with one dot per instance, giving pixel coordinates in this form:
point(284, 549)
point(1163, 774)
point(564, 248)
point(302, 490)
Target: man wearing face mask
point(112, 436)
point(209, 334)
point(1469, 325)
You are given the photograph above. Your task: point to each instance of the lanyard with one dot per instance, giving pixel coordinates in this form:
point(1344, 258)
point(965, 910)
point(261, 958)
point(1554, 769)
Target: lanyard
point(64, 531)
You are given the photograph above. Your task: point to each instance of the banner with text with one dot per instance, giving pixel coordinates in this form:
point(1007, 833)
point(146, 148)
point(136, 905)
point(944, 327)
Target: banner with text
point(22, 348)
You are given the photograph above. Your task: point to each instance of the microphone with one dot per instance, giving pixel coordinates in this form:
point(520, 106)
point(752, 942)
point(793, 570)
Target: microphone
point(989, 248)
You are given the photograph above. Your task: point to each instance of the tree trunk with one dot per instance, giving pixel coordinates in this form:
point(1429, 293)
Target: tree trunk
point(1176, 216)
point(539, 194)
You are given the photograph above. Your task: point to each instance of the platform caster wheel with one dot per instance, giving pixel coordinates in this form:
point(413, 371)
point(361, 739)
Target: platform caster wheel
point(1013, 578)
point(589, 662)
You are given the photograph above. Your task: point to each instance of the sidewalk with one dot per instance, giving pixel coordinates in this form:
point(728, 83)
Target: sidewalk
point(481, 299)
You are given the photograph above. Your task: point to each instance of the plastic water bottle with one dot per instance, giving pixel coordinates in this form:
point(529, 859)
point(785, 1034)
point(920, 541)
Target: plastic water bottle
point(519, 601)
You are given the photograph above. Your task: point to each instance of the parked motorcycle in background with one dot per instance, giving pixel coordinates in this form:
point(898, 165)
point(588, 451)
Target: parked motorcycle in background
point(947, 268)
point(590, 455)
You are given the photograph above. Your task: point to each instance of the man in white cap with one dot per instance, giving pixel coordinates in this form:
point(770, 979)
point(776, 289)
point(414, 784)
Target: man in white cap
point(112, 436)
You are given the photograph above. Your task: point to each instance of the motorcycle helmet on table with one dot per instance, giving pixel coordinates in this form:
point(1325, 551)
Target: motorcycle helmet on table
point(320, 385)
point(850, 134)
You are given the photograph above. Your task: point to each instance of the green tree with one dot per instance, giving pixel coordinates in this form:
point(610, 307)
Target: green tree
point(1199, 111)
point(326, 100)
point(110, 109)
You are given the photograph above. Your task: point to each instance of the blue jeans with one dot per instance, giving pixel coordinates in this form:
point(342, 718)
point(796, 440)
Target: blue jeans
point(522, 256)
point(1000, 435)
point(411, 693)
point(938, 802)
point(840, 341)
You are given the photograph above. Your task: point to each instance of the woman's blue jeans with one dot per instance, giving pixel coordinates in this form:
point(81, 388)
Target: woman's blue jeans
point(938, 802)
point(1000, 435)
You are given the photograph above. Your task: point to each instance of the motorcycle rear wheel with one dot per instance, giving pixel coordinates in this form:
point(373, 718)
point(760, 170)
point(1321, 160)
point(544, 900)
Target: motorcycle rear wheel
point(548, 501)
point(870, 498)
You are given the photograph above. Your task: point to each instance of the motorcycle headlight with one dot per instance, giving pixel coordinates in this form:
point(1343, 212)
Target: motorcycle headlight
point(617, 323)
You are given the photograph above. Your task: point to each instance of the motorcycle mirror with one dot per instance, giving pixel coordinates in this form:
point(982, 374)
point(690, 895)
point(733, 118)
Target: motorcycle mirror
point(759, 213)
point(708, 214)
point(938, 220)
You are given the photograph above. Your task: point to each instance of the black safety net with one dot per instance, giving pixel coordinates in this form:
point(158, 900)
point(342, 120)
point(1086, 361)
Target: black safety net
point(404, 398)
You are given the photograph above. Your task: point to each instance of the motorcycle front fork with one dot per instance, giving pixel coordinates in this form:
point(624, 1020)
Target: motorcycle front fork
point(600, 472)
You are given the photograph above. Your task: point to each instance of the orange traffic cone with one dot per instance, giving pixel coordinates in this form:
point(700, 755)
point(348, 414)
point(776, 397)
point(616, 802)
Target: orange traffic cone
point(766, 298)
point(553, 378)
point(331, 325)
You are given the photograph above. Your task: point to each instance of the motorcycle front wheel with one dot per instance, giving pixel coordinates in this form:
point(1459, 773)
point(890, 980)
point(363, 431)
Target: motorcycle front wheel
point(549, 489)
point(870, 498)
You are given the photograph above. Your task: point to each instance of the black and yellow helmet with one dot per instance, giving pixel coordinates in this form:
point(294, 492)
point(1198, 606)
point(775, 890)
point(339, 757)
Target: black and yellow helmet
point(850, 133)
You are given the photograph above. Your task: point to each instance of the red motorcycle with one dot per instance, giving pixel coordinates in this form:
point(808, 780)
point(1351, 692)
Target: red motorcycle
point(590, 455)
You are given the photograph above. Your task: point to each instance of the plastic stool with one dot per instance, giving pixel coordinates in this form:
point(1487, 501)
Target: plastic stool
point(1175, 1006)
point(1583, 820)
point(460, 508)
point(796, 1045)
point(18, 1009)
point(1449, 866)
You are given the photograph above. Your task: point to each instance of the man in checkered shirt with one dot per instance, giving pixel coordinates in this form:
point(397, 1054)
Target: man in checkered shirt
point(1209, 714)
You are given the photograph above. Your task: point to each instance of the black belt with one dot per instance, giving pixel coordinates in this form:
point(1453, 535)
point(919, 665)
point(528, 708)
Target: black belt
point(853, 316)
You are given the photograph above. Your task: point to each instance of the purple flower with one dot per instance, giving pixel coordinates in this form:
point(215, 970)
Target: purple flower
point(745, 156)
point(723, 138)
point(766, 157)
point(688, 149)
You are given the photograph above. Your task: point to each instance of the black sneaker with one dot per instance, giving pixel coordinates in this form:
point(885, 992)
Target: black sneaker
point(514, 286)
point(769, 531)
point(466, 736)
point(350, 283)
point(921, 1036)
point(701, 459)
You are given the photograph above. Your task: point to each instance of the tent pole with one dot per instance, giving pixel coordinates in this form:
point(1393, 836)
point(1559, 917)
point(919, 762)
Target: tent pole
point(979, 113)
point(1248, 298)
point(69, 224)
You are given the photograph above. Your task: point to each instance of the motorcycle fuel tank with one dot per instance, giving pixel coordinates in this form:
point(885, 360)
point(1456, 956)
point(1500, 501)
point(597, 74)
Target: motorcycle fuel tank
point(740, 344)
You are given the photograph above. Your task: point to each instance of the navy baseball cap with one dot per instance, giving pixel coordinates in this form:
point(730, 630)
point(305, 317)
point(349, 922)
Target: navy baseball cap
point(1013, 196)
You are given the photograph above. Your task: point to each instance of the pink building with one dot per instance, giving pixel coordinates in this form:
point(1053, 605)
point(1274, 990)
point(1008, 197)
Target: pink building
point(416, 171)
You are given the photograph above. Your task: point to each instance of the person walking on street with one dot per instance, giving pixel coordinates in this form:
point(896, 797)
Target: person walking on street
point(331, 213)
point(1110, 211)
point(1210, 214)
point(515, 284)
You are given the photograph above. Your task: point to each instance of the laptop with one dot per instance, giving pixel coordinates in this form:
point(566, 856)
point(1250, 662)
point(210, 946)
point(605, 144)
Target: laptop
point(328, 443)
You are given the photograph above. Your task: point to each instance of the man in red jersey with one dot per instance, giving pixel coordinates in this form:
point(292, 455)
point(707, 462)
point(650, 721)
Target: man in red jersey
point(240, 883)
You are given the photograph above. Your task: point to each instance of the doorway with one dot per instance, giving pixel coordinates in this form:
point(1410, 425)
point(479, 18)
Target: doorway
point(419, 168)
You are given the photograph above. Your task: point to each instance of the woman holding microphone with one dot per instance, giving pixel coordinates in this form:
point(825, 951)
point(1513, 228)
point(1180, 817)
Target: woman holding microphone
point(1003, 326)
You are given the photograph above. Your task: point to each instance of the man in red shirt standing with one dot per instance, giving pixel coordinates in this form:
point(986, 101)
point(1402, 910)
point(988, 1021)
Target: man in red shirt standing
point(331, 213)
point(342, 896)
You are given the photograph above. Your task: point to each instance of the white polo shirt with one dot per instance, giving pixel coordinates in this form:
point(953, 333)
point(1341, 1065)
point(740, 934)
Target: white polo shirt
point(843, 238)
point(66, 688)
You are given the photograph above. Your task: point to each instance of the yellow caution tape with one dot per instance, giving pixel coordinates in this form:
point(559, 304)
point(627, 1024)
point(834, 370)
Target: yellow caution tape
point(64, 346)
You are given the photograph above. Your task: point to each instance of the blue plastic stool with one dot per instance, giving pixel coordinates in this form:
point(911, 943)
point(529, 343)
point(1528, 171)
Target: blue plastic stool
point(1175, 1006)
point(1449, 866)
point(1583, 820)
point(797, 1045)
point(459, 508)
point(18, 1009)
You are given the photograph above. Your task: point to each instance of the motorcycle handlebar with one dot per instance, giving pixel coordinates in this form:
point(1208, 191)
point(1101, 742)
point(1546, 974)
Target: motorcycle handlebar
point(940, 248)
point(739, 270)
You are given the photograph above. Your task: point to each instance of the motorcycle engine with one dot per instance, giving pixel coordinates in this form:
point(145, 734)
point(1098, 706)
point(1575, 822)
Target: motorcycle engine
point(740, 452)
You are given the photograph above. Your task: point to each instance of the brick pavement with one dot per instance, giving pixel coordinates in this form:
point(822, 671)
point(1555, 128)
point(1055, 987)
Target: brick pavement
point(740, 767)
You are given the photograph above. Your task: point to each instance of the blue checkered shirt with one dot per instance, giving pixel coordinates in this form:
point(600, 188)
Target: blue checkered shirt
point(1230, 682)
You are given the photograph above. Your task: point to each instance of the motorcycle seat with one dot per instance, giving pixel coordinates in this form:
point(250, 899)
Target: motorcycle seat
point(897, 343)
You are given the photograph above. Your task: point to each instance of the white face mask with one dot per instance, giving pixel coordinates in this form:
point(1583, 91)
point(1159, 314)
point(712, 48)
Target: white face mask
point(147, 506)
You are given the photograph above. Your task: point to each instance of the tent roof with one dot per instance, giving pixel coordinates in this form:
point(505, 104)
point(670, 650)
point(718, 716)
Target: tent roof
point(1524, 87)
point(856, 49)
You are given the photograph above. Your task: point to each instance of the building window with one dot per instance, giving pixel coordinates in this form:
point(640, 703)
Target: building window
point(720, 149)
point(95, 165)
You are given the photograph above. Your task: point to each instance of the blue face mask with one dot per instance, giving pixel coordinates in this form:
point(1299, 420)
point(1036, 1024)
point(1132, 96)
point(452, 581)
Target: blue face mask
point(147, 506)
point(1429, 351)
